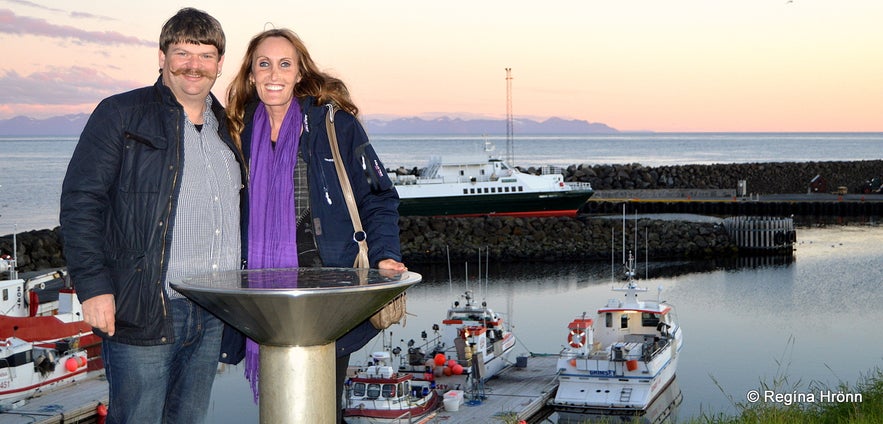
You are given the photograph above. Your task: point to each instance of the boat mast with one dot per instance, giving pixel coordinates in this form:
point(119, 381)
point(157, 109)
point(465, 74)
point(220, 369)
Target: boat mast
point(510, 143)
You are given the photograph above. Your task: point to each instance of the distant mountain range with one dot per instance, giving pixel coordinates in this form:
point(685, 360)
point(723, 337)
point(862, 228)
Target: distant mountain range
point(72, 125)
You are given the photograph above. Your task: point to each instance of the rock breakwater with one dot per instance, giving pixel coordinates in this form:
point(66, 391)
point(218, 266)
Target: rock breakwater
point(763, 178)
point(508, 239)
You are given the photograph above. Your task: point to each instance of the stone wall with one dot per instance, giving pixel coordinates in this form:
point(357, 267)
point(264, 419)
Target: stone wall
point(511, 239)
point(763, 178)
point(428, 240)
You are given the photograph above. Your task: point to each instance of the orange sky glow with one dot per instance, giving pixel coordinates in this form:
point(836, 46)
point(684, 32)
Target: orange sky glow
point(692, 65)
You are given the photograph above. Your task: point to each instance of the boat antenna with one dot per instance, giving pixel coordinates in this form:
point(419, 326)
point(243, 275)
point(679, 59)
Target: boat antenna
point(484, 296)
point(612, 254)
point(13, 272)
point(466, 265)
point(487, 258)
point(623, 233)
point(510, 126)
point(450, 277)
point(646, 255)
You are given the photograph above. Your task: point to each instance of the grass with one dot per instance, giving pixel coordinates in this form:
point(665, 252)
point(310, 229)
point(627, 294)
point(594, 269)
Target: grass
point(858, 404)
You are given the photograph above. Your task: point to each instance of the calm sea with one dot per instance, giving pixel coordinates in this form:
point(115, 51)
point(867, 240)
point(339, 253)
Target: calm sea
point(31, 169)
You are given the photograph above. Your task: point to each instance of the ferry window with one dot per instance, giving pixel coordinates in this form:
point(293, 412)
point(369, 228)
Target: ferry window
point(462, 173)
point(373, 391)
point(471, 191)
point(5, 294)
point(485, 190)
point(624, 321)
point(493, 189)
point(506, 189)
point(465, 191)
point(608, 319)
point(481, 172)
point(389, 390)
point(359, 389)
point(520, 188)
point(649, 320)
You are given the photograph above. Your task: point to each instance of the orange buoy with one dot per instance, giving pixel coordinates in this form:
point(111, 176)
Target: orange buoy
point(440, 359)
point(631, 364)
point(71, 364)
point(457, 369)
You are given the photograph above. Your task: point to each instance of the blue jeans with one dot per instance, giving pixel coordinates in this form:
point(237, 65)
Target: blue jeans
point(170, 383)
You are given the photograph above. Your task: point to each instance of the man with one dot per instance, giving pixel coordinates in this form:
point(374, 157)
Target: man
point(151, 196)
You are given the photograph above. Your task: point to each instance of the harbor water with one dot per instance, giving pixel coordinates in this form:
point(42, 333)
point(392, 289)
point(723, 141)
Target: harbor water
point(811, 322)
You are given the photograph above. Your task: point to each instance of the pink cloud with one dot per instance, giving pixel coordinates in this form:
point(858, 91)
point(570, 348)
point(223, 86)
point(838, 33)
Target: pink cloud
point(11, 23)
point(60, 86)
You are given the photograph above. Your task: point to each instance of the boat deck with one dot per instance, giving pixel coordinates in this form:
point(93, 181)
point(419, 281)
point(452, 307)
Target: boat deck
point(69, 404)
point(512, 395)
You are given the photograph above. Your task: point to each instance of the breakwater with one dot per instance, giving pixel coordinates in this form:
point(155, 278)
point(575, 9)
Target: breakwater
point(774, 177)
point(508, 239)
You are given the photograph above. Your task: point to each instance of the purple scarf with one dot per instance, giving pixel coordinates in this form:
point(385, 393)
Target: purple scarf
point(271, 220)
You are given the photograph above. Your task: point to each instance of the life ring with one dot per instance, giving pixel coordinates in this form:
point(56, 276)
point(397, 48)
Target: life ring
point(576, 338)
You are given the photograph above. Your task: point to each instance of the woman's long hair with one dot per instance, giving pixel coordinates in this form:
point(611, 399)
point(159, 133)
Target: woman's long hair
point(313, 82)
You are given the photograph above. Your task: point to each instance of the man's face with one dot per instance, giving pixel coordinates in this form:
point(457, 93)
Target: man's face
point(190, 70)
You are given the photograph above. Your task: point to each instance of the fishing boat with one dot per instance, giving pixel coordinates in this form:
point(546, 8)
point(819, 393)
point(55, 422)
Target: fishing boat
point(487, 186)
point(623, 358)
point(44, 342)
point(380, 394)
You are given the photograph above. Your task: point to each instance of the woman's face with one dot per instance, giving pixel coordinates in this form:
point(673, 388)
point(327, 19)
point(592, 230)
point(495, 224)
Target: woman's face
point(275, 71)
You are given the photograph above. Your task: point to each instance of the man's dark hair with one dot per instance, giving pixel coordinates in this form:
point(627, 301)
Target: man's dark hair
point(192, 26)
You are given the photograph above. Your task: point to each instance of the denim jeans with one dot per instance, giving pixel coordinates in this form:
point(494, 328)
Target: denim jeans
point(169, 383)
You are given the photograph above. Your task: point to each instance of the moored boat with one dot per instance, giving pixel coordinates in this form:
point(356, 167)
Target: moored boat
point(380, 394)
point(44, 342)
point(487, 187)
point(623, 358)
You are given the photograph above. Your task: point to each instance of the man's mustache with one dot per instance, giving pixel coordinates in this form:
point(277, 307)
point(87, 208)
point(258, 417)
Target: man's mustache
point(192, 72)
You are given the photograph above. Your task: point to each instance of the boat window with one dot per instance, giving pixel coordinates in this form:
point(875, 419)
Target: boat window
point(481, 171)
point(649, 320)
point(373, 391)
point(359, 389)
point(520, 188)
point(462, 172)
point(608, 319)
point(465, 191)
point(493, 189)
point(506, 189)
point(389, 390)
point(485, 190)
point(624, 321)
point(5, 294)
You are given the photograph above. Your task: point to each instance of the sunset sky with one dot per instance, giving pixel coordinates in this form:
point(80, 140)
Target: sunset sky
point(692, 65)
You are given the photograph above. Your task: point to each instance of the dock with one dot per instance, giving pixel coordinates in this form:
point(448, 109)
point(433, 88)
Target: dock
point(75, 403)
point(516, 393)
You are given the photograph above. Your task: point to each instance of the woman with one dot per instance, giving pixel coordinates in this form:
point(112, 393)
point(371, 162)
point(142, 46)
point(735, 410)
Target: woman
point(297, 215)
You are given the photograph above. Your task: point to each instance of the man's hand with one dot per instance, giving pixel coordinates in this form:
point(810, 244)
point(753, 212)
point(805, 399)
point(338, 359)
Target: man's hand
point(100, 312)
point(392, 265)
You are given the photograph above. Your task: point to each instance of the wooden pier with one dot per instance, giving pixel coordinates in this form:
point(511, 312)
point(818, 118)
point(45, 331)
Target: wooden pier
point(75, 403)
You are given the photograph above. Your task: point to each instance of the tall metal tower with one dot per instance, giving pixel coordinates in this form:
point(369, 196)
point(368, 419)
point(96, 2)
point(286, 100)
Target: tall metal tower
point(510, 126)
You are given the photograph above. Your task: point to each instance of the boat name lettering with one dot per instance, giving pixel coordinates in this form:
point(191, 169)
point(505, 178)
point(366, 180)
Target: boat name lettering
point(599, 373)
